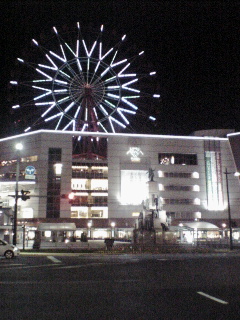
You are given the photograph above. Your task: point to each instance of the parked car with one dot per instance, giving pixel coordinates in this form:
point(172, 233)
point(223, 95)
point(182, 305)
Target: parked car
point(7, 250)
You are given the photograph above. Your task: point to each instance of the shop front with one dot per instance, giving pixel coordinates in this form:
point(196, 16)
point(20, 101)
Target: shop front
point(198, 231)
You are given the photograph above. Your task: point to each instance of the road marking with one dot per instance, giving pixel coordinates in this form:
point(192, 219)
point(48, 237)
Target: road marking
point(162, 259)
point(82, 265)
point(212, 298)
point(11, 265)
point(27, 267)
point(53, 259)
point(27, 282)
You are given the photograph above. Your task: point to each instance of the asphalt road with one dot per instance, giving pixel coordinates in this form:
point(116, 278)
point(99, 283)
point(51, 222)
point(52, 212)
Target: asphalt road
point(76, 286)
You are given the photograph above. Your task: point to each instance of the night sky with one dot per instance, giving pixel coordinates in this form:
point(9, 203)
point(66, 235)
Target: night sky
point(193, 46)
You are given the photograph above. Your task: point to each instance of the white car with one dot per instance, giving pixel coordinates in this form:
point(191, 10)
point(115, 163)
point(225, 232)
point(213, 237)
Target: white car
point(7, 250)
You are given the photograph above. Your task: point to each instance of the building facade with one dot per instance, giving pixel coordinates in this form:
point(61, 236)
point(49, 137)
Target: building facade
point(109, 193)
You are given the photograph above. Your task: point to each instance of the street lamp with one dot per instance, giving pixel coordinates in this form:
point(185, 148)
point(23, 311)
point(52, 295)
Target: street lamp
point(229, 210)
point(89, 228)
point(18, 147)
point(113, 230)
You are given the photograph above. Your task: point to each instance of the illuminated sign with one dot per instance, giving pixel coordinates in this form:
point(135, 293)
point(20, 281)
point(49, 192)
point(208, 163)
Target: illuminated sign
point(58, 169)
point(214, 180)
point(135, 153)
point(29, 172)
point(134, 187)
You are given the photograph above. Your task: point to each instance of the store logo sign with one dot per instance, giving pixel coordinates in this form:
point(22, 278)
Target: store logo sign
point(135, 154)
point(30, 172)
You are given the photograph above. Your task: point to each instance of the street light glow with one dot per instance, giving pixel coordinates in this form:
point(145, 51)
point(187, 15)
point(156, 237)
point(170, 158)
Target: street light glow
point(19, 146)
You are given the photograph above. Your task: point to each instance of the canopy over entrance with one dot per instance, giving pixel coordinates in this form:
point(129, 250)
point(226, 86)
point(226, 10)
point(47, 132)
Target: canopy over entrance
point(56, 227)
point(202, 225)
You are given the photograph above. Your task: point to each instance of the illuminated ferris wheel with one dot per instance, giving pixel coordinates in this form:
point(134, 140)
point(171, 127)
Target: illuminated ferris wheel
point(82, 87)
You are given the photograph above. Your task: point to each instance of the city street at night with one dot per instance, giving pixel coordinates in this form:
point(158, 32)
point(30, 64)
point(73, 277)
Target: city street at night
point(120, 160)
point(78, 286)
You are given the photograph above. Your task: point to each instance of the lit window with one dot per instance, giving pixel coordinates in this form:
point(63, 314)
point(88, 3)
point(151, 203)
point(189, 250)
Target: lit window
point(196, 187)
point(177, 158)
point(47, 234)
point(197, 201)
point(198, 215)
point(160, 187)
point(58, 168)
point(195, 175)
point(160, 174)
point(135, 214)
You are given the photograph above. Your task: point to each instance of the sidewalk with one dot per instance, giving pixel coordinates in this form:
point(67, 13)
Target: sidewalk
point(91, 244)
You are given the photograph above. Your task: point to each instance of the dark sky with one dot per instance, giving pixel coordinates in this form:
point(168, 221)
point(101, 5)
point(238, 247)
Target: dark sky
point(193, 46)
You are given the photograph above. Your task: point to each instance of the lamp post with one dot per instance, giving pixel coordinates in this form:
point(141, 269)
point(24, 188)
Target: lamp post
point(18, 147)
point(229, 209)
point(89, 229)
point(113, 229)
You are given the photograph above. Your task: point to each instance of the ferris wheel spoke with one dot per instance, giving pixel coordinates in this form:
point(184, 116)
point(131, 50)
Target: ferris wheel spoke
point(44, 74)
point(103, 110)
point(70, 49)
point(42, 95)
point(98, 96)
point(111, 124)
point(57, 56)
point(41, 88)
point(95, 112)
point(59, 121)
point(48, 110)
point(123, 117)
point(68, 125)
point(70, 69)
point(113, 96)
point(77, 112)
point(118, 122)
point(53, 117)
point(65, 76)
point(69, 107)
point(126, 110)
point(102, 126)
point(131, 89)
point(51, 61)
point(109, 104)
point(109, 80)
point(129, 103)
point(89, 53)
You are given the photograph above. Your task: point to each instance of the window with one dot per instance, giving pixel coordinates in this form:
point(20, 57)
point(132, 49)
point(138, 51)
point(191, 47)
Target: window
point(180, 201)
point(162, 174)
point(181, 215)
point(90, 171)
point(179, 188)
point(177, 175)
point(133, 187)
point(177, 158)
point(10, 162)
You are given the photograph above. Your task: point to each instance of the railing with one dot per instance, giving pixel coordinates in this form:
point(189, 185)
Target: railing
point(89, 175)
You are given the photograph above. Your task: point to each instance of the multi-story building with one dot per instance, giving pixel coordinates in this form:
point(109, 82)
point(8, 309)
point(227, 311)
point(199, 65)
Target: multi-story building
point(109, 192)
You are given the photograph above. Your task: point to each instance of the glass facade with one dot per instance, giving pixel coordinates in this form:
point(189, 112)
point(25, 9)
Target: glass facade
point(177, 158)
point(214, 180)
point(90, 187)
point(134, 187)
point(53, 183)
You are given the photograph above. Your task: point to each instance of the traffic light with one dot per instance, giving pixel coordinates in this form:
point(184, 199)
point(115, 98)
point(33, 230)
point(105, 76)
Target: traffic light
point(24, 195)
point(69, 196)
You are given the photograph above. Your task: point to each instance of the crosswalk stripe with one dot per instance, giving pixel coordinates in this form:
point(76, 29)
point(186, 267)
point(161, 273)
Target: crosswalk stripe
point(53, 259)
point(211, 297)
